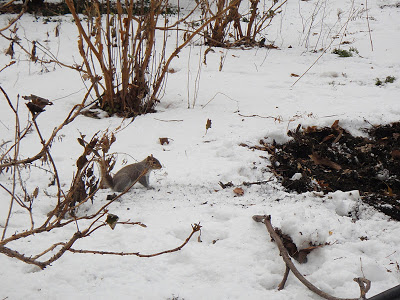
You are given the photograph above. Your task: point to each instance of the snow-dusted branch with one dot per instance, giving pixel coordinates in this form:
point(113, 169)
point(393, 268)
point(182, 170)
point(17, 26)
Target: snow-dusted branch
point(289, 264)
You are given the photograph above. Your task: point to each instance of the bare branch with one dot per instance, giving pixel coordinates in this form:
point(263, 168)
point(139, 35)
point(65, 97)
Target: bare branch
point(15, 254)
point(75, 111)
point(195, 228)
point(23, 10)
point(289, 264)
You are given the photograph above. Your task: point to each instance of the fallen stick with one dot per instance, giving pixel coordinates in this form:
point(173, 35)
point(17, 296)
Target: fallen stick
point(289, 264)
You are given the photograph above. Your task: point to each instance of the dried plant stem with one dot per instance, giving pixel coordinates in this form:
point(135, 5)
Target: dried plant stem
point(184, 44)
point(16, 154)
point(23, 10)
point(195, 228)
point(369, 28)
point(326, 49)
point(289, 264)
point(75, 111)
point(50, 157)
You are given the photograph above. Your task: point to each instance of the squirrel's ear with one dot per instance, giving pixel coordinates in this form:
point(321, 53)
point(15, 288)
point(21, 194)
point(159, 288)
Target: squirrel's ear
point(151, 155)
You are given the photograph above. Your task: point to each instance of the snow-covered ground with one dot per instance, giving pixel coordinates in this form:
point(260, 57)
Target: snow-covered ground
point(251, 98)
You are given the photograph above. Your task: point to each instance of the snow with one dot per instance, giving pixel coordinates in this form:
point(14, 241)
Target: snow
point(251, 98)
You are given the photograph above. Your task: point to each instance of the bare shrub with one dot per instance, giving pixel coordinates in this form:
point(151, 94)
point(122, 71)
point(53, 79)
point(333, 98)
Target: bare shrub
point(122, 48)
point(63, 214)
point(237, 25)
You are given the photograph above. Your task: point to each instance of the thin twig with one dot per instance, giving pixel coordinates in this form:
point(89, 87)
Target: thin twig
point(195, 228)
point(43, 142)
point(369, 28)
point(75, 111)
point(16, 153)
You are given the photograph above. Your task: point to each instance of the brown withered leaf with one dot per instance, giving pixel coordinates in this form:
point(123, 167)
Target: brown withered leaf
point(208, 125)
point(335, 126)
point(318, 160)
point(171, 70)
point(164, 141)
point(288, 243)
point(324, 185)
point(33, 52)
point(57, 30)
point(35, 192)
point(81, 161)
point(299, 255)
point(395, 154)
point(38, 101)
point(389, 191)
point(238, 191)
point(225, 185)
point(34, 109)
point(311, 129)
point(10, 50)
point(271, 46)
point(81, 142)
point(327, 138)
point(294, 75)
point(112, 220)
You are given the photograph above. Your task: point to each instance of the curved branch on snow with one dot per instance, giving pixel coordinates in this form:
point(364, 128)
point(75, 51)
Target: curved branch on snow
point(289, 264)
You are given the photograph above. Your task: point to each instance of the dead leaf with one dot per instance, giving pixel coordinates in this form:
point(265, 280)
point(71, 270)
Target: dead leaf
point(10, 50)
point(38, 101)
point(81, 162)
point(327, 138)
point(81, 142)
point(171, 70)
point(34, 109)
point(35, 192)
point(225, 185)
point(57, 30)
point(294, 75)
point(164, 141)
point(335, 126)
point(389, 190)
point(310, 129)
point(318, 160)
point(208, 125)
point(33, 52)
point(271, 46)
point(112, 220)
point(395, 154)
point(238, 191)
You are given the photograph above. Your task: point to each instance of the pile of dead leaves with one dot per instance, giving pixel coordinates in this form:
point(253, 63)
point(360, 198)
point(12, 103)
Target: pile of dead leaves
point(330, 158)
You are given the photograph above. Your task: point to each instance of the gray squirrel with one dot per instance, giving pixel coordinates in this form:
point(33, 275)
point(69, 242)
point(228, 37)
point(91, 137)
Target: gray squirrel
point(124, 178)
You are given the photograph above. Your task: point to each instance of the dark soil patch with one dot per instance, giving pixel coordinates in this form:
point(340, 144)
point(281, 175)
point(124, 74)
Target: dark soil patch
point(330, 159)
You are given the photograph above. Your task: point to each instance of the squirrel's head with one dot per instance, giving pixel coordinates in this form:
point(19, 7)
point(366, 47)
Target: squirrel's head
point(153, 162)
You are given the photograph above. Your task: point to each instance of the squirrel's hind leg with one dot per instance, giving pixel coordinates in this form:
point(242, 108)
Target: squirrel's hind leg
point(121, 182)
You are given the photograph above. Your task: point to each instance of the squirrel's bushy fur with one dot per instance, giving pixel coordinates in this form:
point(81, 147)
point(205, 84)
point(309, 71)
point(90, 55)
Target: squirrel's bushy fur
point(130, 173)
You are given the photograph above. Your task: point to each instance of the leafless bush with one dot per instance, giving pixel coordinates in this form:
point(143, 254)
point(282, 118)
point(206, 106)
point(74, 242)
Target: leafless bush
point(84, 187)
point(122, 48)
point(237, 25)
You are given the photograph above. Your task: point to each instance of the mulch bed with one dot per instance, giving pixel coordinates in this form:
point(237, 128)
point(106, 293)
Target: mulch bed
point(330, 159)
